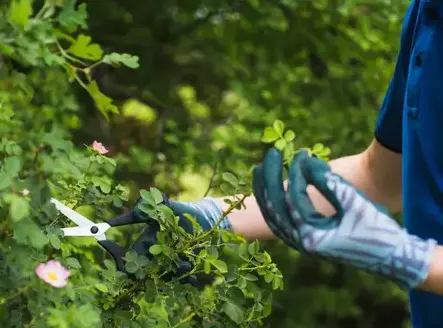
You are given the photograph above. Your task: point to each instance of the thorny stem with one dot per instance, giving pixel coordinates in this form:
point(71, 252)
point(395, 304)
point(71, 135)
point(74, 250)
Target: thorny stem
point(229, 210)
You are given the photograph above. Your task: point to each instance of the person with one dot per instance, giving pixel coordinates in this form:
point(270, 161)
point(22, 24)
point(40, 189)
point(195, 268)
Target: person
point(339, 210)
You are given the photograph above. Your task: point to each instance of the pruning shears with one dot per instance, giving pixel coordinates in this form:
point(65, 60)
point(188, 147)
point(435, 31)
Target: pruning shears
point(88, 228)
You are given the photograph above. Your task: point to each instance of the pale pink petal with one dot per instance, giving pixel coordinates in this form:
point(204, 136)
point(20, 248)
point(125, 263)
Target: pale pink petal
point(53, 273)
point(39, 270)
point(98, 147)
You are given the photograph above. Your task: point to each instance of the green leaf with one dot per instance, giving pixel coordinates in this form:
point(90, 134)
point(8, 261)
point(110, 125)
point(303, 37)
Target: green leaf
point(55, 241)
point(280, 144)
point(131, 267)
point(131, 256)
point(157, 195)
point(269, 277)
point(207, 267)
point(5, 181)
point(317, 147)
point(230, 178)
point(74, 263)
point(12, 166)
point(276, 283)
point(19, 208)
point(220, 265)
point(116, 59)
point(254, 247)
point(289, 135)
point(250, 277)
point(83, 48)
point(70, 18)
point(270, 135)
point(19, 12)
point(234, 312)
point(156, 249)
point(243, 251)
point(103, 102)
point(279, 127)
point(102, 287)
point(110, 265)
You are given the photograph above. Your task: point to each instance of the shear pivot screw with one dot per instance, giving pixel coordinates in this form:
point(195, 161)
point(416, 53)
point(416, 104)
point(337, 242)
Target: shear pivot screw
point(94, 229)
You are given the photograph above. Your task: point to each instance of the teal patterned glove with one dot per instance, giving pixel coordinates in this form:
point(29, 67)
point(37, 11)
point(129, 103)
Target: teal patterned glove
point(360, 234)
point(206, 211)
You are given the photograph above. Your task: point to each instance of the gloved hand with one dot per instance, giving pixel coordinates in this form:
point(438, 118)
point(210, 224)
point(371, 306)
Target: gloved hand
point(207, 212)
point(360, 234)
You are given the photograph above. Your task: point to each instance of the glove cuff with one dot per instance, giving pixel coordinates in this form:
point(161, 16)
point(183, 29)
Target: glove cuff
point(213, 212)
point(411, 261)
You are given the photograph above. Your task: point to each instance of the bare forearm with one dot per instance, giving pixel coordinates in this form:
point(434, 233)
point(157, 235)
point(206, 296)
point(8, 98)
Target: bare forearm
point(434, 282)
point(251, 224)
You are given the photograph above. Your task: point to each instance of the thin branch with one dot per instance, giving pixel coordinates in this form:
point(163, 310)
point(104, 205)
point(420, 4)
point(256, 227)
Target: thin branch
point(214, 173)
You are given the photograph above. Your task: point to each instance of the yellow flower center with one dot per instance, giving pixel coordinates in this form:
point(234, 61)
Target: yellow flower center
point(52, 276)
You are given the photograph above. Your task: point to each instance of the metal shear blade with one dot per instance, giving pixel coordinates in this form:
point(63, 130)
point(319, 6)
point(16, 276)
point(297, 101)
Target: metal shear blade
point(85, 227)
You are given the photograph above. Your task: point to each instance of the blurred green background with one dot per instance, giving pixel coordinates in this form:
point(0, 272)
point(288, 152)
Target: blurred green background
point(212, 75)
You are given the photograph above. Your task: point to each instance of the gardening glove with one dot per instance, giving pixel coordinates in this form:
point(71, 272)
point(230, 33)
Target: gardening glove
point(206, 212)
point(360, 234)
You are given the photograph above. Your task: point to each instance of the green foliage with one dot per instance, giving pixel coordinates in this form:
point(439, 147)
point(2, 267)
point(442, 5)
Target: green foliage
point(212, 77)
point(39, 160)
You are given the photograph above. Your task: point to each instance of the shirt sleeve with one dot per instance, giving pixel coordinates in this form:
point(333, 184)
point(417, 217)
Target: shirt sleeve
point(388, 131)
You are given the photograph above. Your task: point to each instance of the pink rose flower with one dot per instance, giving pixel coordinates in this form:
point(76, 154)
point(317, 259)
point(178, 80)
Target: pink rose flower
point(98, 147)
point(53, 273)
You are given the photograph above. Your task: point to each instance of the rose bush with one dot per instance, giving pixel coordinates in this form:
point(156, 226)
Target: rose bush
point(48, 280)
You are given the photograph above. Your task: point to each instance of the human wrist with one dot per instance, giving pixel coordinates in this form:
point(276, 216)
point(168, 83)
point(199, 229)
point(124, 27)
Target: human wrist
point(411, 261)
point(213, 212)
point(434, 279)
point(206, 211)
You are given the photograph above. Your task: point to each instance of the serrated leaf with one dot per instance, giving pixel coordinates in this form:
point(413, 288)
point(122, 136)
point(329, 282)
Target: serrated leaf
point(220, 265)
point(207, 267)
point(280, 144)
point(110, 265)
point(131, 256)
point(5, 181)
point(269, 135)
point(116, 59)
point(83, 48)
point(279, 127)
point(230, 178)
point(289, 135)
point(131, 267)
point(234, 312)
point(71, 18)
point(156, 249)
point(74, 263)
point(243, 251)
point(253, 248)
point(276, 283)
point(19, 12)
point(12, 166)
point(317, 147)
point(269, 277)
point(250, 277)
point(157, 195)
point(19, 208)
point(102, 287)
point(55, 241)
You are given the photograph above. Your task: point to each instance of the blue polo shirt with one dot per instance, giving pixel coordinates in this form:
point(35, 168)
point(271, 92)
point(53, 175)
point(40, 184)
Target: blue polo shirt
point(411, 123)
